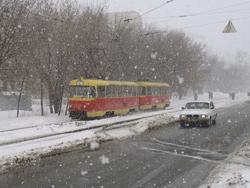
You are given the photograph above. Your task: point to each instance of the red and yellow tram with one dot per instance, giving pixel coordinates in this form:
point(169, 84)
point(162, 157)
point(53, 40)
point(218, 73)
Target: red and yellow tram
point(153, 95)
point(98, 98)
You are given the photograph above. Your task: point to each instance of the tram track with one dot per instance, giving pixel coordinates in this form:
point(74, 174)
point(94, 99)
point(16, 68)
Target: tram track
point(100, 127)
point(170, 109)
point(77, 121)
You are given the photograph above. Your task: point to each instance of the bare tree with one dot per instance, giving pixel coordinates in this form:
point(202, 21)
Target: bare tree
point(52, 47)
point(12, 20)
point(63, 41)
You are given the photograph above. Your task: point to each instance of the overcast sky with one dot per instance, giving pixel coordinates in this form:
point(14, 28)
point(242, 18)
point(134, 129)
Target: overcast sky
point(216, 14)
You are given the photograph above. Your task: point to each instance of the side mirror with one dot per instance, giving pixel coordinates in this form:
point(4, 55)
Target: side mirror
point(182, 108)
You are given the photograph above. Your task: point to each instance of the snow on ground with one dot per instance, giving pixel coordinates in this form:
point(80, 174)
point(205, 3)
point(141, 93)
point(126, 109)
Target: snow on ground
point(232, 172)
point(31, 136)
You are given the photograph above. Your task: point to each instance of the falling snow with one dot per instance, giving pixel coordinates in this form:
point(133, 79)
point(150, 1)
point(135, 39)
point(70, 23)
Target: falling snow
point(104, 160)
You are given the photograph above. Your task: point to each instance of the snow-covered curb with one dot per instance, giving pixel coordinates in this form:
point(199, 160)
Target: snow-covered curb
point(233, 171)
point(36, 151)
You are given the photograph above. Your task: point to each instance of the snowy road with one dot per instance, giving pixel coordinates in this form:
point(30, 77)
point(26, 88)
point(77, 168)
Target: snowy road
point(163, 157)
point(19, 136)
point(50, 134)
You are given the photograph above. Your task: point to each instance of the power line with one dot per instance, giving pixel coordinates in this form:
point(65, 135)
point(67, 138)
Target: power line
point(223, 7)
point(224, 12)
point(215, 23)
point(199, 14)
point(150, 10)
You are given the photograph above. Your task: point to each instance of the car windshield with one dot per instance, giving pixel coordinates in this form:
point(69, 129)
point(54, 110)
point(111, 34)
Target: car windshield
point(197, 105)
point(82, 92)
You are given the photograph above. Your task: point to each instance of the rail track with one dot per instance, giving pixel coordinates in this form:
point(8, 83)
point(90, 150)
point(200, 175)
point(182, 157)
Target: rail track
point(80, 127)
point(97, 127)
point(80, 122)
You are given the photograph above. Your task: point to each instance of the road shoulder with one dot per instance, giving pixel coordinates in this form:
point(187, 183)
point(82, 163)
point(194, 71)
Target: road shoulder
point(233, 171)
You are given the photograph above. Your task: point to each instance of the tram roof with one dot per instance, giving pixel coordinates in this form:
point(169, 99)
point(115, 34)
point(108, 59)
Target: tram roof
point(145, 84)
point(94, 82)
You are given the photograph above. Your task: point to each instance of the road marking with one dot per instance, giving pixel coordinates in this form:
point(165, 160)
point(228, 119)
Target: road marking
point(183, 146)
point(177, 154)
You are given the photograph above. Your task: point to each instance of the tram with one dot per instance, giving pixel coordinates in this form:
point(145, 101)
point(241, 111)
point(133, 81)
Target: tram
point(153, 95)
point(91, 98)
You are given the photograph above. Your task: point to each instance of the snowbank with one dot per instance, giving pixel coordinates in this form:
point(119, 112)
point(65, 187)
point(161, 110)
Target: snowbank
point(233, 171)
point(31, 136)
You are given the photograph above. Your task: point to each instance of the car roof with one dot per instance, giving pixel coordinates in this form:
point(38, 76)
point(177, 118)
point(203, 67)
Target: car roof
point(198, 102)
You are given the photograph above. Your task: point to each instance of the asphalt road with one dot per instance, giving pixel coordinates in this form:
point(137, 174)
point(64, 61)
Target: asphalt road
point(164, 157)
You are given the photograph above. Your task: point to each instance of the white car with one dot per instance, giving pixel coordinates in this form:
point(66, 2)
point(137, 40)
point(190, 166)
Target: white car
point(200, 113)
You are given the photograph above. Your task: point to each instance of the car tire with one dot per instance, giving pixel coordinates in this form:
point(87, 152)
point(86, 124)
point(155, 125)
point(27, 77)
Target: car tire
point(203, 124)
point(214, 121)
point(209, 123)
point(183, 125)
point(206, 124)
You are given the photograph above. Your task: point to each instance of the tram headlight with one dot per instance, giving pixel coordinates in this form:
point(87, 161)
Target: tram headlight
point(84, 106)
point(70, 105)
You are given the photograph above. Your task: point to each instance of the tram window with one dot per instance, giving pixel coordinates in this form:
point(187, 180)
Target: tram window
point(101, 91)
point(143, 91)
point(92, 92)
point(162, 91)
point(72, 91)
point(124, 91)
point(149, 91)
point(138, 91)
point(153, 91)
point(134, 90)
point(83, 91)
point(108, 91)
point(129, 91)
point(158, 90)
point(167, 91)
point(119, 91)
point(114, 91)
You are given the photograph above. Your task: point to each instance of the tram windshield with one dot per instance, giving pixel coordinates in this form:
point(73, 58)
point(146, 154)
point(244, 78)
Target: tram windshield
point(82, 92)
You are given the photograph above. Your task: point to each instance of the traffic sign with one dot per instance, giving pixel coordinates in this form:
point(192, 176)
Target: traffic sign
point(229, 28)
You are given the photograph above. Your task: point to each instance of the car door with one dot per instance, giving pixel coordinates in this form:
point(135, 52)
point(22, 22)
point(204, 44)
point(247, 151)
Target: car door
point(212, 110)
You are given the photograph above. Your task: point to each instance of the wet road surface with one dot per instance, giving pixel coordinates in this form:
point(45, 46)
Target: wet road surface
point(168, 156)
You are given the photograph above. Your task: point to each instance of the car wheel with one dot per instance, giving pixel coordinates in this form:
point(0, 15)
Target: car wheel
point(182, 125)
point(214, 121)
point(203, 124)
point(206, 124)
point(209, 123)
